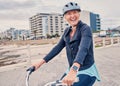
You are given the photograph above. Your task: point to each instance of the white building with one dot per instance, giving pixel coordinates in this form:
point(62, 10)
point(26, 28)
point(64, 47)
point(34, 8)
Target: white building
point(92, 19)
point(44, 24)
point(85, 17)
point(14, 34)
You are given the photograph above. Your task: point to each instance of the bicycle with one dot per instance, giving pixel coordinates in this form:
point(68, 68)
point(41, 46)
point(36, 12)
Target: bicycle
point(54, 83)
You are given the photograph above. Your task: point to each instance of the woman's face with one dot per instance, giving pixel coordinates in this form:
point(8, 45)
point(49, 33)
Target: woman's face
point(72, 17)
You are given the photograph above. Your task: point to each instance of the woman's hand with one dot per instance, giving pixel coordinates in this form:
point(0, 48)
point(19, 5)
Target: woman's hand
point(69, 79)
point(38, 64)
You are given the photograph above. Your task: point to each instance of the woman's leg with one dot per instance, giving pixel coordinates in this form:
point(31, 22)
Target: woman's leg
point(85, 80)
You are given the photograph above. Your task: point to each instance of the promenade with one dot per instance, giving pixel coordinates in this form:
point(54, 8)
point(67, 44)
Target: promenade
point(107, 61)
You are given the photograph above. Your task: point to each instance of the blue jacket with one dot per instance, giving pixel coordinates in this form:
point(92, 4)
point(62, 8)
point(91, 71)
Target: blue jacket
point(79, 49)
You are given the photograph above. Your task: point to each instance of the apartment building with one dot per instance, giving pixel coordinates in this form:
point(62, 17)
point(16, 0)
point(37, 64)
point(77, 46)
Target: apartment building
point(15, 34)
point(92, 19)
point(44, 24)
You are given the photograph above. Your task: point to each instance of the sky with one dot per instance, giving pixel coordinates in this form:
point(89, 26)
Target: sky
point(16, 13)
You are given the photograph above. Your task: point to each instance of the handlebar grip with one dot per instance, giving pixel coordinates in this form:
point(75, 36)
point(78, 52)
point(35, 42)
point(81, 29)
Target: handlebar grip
point(31, 69)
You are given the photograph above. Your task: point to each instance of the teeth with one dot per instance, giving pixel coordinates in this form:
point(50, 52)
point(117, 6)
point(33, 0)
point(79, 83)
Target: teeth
point(73, 19)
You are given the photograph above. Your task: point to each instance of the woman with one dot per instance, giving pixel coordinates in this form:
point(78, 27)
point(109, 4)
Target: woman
point(79, 49)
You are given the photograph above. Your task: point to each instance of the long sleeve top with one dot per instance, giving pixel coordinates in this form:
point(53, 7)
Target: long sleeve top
point(78, 49)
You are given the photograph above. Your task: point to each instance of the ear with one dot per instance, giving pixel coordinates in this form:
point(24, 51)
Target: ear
point(64, 18)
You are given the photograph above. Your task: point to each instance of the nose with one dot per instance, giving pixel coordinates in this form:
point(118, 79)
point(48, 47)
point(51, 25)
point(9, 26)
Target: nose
point(72, 15)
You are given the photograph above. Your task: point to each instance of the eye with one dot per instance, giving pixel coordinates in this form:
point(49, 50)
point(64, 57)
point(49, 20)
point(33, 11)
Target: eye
point(68, 13)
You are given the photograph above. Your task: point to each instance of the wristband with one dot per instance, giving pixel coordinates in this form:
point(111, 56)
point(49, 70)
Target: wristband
point(75, 68)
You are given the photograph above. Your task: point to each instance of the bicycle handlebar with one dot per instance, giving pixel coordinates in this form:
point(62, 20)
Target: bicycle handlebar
point(55, 83)
point(59, 83)
point(29, 71)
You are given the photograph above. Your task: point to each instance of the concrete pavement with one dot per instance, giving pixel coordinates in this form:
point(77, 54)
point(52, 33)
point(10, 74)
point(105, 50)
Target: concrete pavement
point(107, 60)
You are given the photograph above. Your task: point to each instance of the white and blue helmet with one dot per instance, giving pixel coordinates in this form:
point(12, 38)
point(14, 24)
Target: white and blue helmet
point(71, 6)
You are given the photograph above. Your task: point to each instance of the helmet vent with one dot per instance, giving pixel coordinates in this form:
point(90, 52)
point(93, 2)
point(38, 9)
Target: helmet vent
point(76, 4)
point(66, 5)
point(71, 3)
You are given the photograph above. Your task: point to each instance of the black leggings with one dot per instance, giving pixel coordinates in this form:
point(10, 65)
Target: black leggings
point(84, 80)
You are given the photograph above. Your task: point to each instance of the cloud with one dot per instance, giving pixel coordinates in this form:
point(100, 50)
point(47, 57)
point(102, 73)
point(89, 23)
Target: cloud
point(22, 10)
point(103, 7)
point(17, 15)
point(11, 4)
point(17, 10)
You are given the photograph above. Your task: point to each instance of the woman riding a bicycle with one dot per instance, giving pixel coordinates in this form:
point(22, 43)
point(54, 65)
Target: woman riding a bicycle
point(77, 39)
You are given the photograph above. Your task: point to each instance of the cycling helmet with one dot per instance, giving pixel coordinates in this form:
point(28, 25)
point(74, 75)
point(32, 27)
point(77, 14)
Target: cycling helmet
point(71, 6)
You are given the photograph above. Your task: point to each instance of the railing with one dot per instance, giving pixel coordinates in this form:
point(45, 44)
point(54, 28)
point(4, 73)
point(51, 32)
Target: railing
point(14, 54)
point(107, 41)
point(22, 54)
